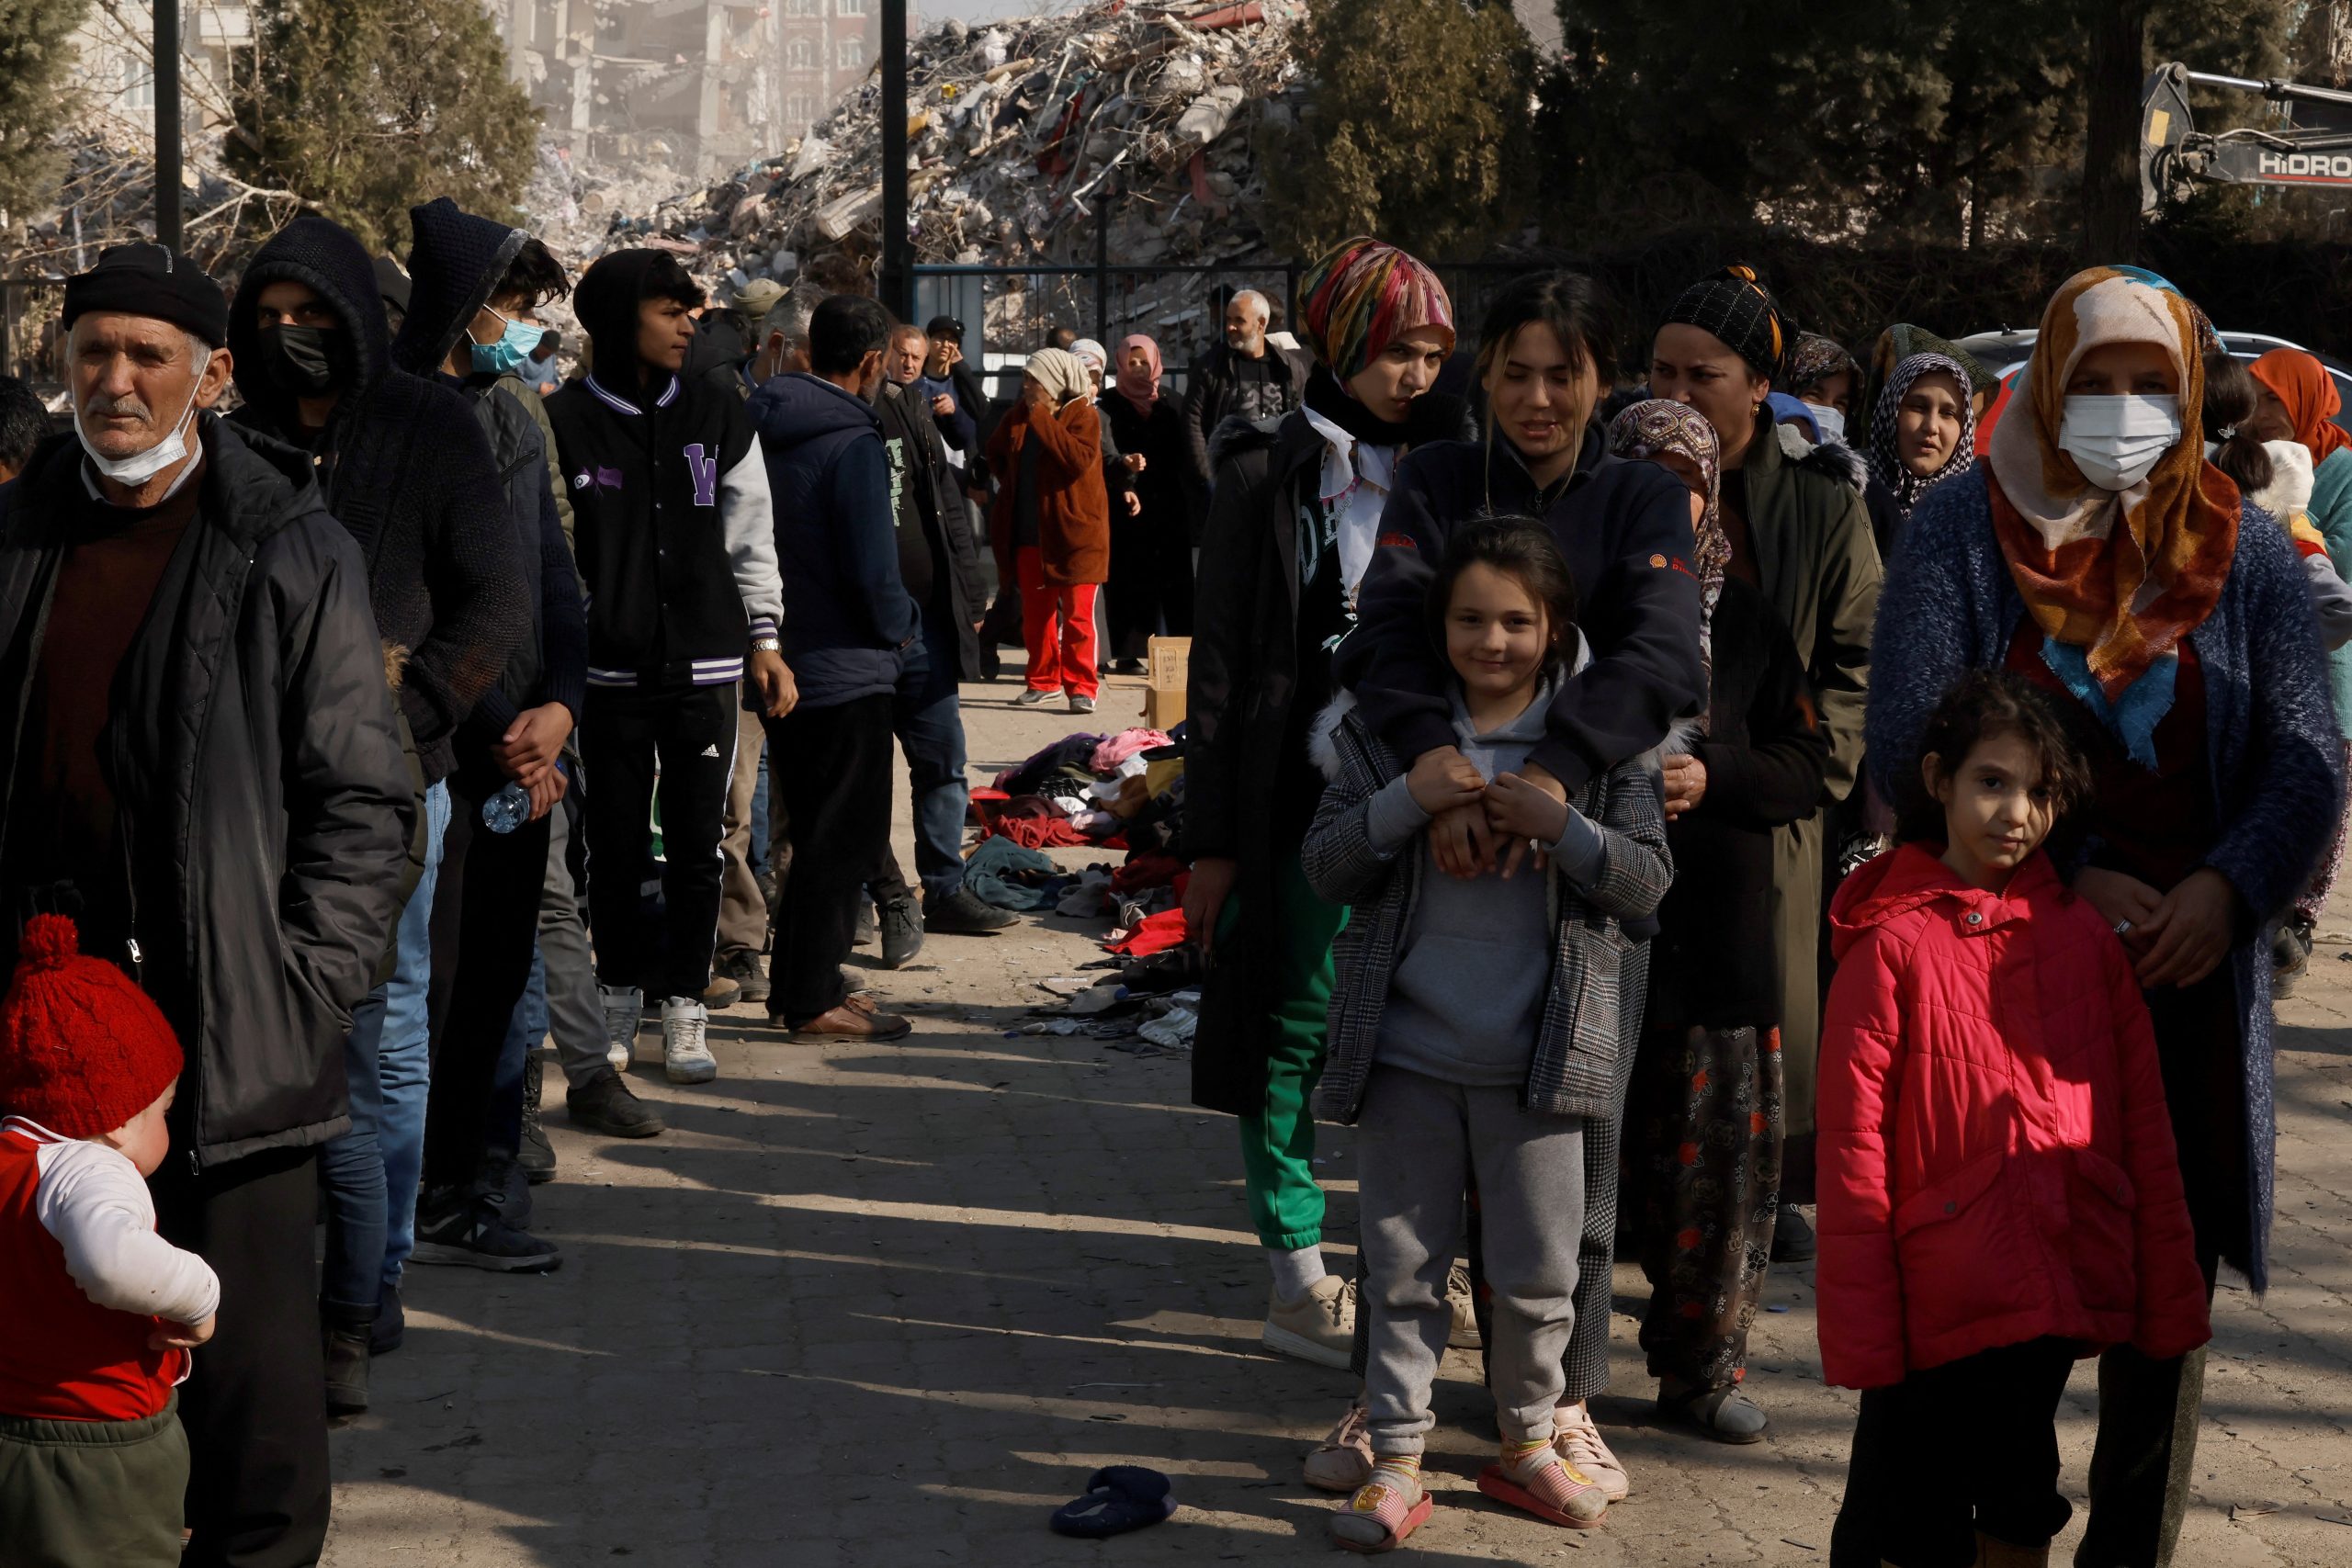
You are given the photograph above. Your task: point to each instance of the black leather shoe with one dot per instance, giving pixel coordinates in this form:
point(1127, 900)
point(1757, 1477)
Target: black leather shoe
point(605, 1104)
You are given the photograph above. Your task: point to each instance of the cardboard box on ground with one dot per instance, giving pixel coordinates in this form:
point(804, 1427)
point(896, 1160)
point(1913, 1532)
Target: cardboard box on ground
point(1168, 666)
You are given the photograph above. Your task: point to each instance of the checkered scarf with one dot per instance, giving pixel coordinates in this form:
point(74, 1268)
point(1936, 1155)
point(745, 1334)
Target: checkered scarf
point(1886, 447)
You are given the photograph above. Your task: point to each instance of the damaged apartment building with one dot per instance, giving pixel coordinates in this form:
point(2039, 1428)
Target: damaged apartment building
point(699, 86)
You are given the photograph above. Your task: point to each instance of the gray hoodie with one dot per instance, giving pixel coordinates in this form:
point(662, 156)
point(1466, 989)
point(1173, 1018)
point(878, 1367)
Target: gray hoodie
point(1466, 999)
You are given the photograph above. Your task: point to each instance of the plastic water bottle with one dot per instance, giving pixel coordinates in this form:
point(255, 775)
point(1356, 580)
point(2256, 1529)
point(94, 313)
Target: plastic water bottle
point(508, 809)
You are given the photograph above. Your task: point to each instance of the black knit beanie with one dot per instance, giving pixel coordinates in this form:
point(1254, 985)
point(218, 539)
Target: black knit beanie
point(1737, 307)
point(151, 280)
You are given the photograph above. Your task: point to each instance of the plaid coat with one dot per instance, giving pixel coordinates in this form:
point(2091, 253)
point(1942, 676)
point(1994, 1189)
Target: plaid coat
point(1588, 1017)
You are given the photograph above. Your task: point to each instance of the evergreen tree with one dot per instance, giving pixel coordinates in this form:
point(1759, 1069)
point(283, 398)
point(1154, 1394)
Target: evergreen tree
point(35, 98)
point(1415, 128)
point(1858, 117)
point(369, 107)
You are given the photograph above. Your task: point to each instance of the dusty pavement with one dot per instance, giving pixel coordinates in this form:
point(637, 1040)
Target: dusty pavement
point(893, 1304)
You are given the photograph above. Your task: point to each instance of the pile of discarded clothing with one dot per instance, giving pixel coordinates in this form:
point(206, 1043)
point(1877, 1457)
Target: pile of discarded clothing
point(1123, 791)
point(1014, 128)
point(1147, 1004)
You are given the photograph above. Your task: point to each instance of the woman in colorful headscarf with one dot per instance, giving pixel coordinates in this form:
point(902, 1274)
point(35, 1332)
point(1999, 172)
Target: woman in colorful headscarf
point(2098, 554)
point(1799, 531)
point(1825, 379)
point(1152, 547)
point(1544, 355)
point(1291, 522)
point(1923, 432)
point(1703, 1122)
point(1052, 524)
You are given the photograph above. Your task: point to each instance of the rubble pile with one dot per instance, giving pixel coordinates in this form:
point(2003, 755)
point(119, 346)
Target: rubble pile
point(1019, 133)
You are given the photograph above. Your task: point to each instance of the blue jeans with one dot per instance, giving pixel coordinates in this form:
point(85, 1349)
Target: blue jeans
point(370, 1173)
point(930, 725)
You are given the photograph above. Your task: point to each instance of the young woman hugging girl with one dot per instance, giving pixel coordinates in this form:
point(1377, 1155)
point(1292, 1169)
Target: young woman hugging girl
point(1474, 1023)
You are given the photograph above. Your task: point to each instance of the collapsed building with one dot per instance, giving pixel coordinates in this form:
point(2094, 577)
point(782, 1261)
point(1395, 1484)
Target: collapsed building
point(1032, 142)
point(698, 86)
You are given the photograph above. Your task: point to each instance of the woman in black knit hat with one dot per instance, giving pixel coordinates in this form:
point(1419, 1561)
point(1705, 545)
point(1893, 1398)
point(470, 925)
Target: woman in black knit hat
point(1799, 531)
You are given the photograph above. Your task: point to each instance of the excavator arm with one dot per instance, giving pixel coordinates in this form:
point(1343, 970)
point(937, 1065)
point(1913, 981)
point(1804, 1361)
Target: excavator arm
point(2176, 157)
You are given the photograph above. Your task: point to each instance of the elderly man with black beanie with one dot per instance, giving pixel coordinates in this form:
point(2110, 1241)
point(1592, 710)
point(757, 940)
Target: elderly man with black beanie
point(207, 771)
point(676, 543)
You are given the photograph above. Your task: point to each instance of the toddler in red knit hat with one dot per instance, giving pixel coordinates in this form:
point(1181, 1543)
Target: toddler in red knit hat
point(98, 1313)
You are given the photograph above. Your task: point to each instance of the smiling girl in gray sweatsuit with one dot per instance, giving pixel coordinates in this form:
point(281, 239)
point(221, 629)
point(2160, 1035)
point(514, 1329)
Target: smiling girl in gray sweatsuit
point(1475, 1021)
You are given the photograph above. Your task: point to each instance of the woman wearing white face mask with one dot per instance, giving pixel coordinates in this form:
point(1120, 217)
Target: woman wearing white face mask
point(2097, 553)
point(1824, 377)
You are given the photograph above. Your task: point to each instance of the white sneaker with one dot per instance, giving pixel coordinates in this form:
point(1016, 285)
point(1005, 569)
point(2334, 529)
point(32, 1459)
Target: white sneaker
point(1578, 1443)
point(624, 1014)
point(685, 1055)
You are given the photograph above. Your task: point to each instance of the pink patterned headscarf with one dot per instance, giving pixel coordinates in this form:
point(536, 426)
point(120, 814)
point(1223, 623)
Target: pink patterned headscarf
point(1650, 429)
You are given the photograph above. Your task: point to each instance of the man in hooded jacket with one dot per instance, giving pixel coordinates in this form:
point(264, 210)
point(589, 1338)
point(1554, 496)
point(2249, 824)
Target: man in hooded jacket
point(850, 624)
point(245, 868)
point(405, 468)
point(471, 281)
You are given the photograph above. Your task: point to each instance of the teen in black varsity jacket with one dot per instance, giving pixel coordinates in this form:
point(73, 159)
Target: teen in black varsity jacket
point(676, 544)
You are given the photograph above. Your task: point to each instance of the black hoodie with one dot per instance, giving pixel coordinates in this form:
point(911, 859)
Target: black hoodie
point(1625, 530)
point(457, 261)
point(405, 468)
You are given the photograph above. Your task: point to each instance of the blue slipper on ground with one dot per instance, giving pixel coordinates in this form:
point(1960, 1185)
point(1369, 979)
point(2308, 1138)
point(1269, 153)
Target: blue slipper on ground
point(1119, 1498)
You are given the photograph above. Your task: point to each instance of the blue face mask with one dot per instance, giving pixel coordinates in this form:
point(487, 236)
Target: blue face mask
point(512, 351)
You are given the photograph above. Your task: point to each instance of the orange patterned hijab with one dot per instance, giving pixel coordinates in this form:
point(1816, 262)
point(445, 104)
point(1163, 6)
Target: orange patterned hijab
point(2120, 576)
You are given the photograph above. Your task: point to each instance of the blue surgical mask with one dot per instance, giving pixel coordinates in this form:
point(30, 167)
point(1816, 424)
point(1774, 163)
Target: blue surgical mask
point(512, 351)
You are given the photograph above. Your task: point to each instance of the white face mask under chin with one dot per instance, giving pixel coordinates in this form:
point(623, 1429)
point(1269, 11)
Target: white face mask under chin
point(2118, 441)
point(139, 467)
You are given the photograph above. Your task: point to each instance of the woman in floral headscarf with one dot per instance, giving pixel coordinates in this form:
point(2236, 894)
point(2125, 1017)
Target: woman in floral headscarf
point(1923, 432)
point(1825, 379)
point(2097, 553)
point(1704, 1122)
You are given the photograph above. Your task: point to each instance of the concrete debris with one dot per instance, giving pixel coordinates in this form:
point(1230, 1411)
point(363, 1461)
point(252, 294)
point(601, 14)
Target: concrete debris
point(1021, 133)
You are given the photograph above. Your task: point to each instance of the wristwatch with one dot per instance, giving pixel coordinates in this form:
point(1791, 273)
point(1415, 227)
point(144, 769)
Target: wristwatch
point(767, 645)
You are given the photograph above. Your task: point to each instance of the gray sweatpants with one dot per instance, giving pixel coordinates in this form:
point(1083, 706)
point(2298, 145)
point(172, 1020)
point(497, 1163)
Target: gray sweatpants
point(575, 1013)
point(1420, 1145)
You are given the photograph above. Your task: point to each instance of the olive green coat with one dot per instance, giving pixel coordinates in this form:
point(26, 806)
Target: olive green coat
point(1814, 550)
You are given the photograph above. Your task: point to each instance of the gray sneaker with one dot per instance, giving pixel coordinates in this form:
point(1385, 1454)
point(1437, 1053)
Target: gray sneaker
point(624, 1015)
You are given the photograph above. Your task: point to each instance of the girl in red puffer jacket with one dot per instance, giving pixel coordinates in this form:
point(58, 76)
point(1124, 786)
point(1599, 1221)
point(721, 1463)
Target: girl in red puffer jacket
point(1999, 1196)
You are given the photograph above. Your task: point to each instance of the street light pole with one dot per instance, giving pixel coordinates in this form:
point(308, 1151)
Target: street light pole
point(167, 51)
point(896, 282)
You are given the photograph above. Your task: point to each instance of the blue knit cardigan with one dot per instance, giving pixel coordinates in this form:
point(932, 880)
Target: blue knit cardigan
point(1950, 605)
